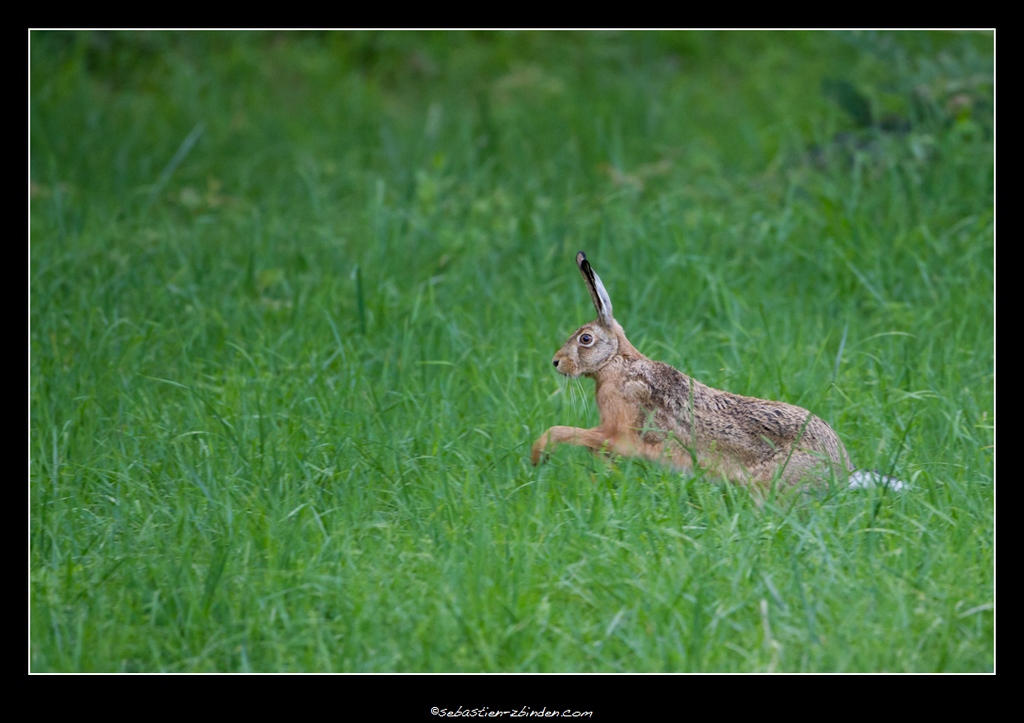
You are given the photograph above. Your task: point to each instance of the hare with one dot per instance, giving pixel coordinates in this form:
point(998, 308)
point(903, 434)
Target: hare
point(650, 409)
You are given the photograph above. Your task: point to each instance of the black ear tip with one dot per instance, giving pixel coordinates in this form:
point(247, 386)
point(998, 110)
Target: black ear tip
point(580, 258)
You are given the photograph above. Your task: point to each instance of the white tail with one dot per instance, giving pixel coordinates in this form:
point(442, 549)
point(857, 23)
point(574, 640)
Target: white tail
point(864, 479)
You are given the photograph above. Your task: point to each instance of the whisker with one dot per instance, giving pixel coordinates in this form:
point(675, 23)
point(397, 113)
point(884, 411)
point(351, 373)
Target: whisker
point(579, 401)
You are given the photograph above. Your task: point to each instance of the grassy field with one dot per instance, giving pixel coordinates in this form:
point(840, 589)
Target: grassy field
point(294, 298)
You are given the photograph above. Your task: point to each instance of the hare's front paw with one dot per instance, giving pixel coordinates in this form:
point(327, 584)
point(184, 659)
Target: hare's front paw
point(538, 449)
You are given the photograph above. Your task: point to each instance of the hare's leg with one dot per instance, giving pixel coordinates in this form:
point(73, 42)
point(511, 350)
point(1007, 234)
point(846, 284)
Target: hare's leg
point(801, 466)
point(595, 439)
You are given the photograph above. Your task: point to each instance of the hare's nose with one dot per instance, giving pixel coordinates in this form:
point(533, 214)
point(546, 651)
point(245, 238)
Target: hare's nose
point(555, 362)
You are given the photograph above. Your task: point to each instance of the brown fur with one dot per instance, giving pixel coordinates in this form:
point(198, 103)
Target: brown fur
point(649, 409)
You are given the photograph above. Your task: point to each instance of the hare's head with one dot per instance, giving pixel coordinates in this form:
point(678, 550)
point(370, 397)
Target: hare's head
point(592, 345)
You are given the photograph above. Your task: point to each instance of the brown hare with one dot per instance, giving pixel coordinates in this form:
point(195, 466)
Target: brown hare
point(649, 409)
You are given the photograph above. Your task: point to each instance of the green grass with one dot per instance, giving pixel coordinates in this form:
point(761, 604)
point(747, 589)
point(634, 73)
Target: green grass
point(293, 303)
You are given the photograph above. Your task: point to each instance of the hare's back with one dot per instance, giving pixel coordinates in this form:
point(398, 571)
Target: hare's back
point(768, 427)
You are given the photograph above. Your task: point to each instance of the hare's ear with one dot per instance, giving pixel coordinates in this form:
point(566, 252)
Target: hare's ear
point(597, 291)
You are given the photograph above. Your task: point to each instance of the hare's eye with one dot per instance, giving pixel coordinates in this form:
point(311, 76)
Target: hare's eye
point(586, 339)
